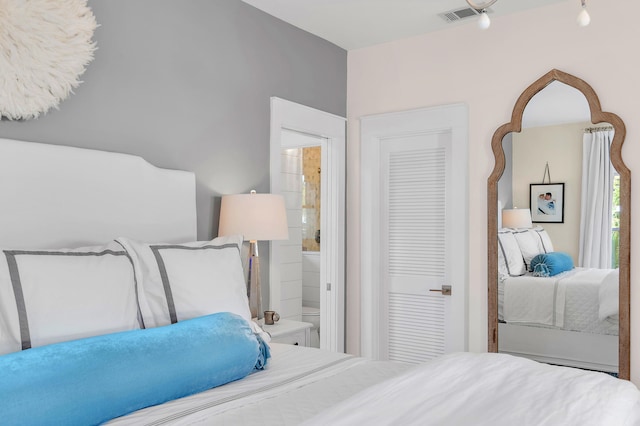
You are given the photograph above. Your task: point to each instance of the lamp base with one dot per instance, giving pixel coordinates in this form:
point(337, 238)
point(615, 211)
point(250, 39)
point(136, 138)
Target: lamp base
point(253, 282)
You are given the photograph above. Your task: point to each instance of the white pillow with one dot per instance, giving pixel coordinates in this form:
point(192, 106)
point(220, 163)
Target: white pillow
point(503, 271)
point(530, 244)
point(508, 249)
point(183, 281)
point(49, 296)
point(544, 237)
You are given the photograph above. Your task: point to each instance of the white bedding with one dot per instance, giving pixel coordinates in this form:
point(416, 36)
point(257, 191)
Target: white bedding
point(536, 300)
point(313, 387)
point(571, 301)
point(609, 297)
point(298, 383)
point(493, 390)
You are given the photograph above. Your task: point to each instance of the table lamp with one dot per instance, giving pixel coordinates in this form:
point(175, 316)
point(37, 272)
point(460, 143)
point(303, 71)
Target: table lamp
point(257, 217)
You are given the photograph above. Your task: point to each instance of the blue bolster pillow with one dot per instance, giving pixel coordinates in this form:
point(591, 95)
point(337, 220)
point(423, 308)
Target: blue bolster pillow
point(550, 264)
point(92, 380)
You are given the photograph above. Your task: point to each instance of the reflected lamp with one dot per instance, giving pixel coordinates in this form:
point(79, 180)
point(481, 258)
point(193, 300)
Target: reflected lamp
point(516, 218)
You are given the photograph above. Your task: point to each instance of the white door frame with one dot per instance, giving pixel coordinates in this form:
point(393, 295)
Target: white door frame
point(374, 129)
point(291, 116)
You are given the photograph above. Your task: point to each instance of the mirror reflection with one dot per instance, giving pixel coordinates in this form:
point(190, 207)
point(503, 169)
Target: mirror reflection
point(558, 218)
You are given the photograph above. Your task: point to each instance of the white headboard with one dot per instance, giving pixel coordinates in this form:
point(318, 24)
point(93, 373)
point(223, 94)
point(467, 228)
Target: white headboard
point(61, 197)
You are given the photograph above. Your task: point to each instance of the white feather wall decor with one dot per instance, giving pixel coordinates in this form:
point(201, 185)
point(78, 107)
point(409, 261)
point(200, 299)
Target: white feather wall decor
point(45, 46)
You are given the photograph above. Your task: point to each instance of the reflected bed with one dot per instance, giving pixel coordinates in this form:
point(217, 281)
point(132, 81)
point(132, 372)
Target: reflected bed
point(567, 319)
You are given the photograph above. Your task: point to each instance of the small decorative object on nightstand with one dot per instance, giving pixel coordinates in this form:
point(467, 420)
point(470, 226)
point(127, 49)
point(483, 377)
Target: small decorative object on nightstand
point(289, 332)
point(271, 317)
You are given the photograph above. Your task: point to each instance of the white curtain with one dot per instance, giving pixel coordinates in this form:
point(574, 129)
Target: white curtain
point(597, 191)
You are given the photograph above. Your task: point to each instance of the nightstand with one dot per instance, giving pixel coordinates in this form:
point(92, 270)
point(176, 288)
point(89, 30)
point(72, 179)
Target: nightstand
point(289, 332)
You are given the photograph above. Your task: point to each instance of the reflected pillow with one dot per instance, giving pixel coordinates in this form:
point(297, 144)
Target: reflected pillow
point(550, 264)
point(532, 242)
point(530, 245)
point(544, 237)
point(510, 261)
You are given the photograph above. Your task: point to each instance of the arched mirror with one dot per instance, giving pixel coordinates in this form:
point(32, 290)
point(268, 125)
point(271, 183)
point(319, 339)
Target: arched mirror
point(558, 230)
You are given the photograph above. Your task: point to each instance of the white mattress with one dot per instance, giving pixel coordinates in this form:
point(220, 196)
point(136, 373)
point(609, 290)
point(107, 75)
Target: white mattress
point(297, 384)
point(576, 290)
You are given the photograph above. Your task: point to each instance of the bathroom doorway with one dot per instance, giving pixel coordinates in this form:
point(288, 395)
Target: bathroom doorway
point(301, 261)
point(308, 169)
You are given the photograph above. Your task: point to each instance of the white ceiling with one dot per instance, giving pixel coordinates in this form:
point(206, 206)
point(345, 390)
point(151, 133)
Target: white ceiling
point(352, 24)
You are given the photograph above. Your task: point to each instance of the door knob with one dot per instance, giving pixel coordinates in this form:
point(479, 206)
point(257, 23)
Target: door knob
point(446, 290)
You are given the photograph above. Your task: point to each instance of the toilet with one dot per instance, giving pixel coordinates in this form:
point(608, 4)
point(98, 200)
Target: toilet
point(312, 315)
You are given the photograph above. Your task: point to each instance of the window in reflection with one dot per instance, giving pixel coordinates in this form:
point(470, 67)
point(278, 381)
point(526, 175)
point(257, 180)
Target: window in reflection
point(615, 223)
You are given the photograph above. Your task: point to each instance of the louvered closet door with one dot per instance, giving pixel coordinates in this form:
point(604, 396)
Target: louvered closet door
point(416, 207)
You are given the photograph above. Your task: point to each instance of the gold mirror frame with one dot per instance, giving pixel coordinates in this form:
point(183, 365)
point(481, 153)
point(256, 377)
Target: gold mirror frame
point(597, 116)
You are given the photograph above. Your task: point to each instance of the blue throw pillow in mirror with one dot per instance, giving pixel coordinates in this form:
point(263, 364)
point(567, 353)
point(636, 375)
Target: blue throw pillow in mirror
point(550, 264)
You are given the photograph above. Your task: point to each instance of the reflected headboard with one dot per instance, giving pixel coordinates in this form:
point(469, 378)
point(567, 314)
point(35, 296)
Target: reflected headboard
point(55, 196)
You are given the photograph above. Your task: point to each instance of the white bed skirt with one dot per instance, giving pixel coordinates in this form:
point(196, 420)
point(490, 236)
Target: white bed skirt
point(561, 347)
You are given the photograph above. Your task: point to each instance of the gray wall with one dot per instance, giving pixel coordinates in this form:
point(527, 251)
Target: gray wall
point(186, 85)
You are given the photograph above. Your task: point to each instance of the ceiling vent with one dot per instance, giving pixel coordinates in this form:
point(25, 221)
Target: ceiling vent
point(459, 14)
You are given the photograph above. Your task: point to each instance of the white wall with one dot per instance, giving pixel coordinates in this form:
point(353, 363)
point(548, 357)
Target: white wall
point(311, 279)
point(291, 250)
point(488, 71)
point(186, 85)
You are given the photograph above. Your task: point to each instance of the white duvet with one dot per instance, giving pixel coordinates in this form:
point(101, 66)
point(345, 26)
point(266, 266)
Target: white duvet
point(298, 383)
point(608, 296)
point(490, 389)
point(585, 296)
point(536, 300)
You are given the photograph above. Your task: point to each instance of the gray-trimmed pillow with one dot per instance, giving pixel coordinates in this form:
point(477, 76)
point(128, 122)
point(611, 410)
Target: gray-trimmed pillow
point(530, 244)
point(544, 238)
point(183, 281)
point(510, 261)
point(51, 296)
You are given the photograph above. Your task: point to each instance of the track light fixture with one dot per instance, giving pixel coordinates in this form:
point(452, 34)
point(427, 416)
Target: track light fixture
point(484, 22)
point(583, 16)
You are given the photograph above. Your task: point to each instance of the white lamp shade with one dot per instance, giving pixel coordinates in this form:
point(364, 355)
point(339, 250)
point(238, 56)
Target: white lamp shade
point(516, 218)
point(257, 217)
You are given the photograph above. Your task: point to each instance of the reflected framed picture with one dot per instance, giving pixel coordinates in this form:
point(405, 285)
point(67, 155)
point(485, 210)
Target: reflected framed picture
point(546, 202)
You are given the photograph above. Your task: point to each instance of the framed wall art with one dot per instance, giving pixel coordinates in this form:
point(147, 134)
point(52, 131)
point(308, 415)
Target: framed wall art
point(547, 202)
